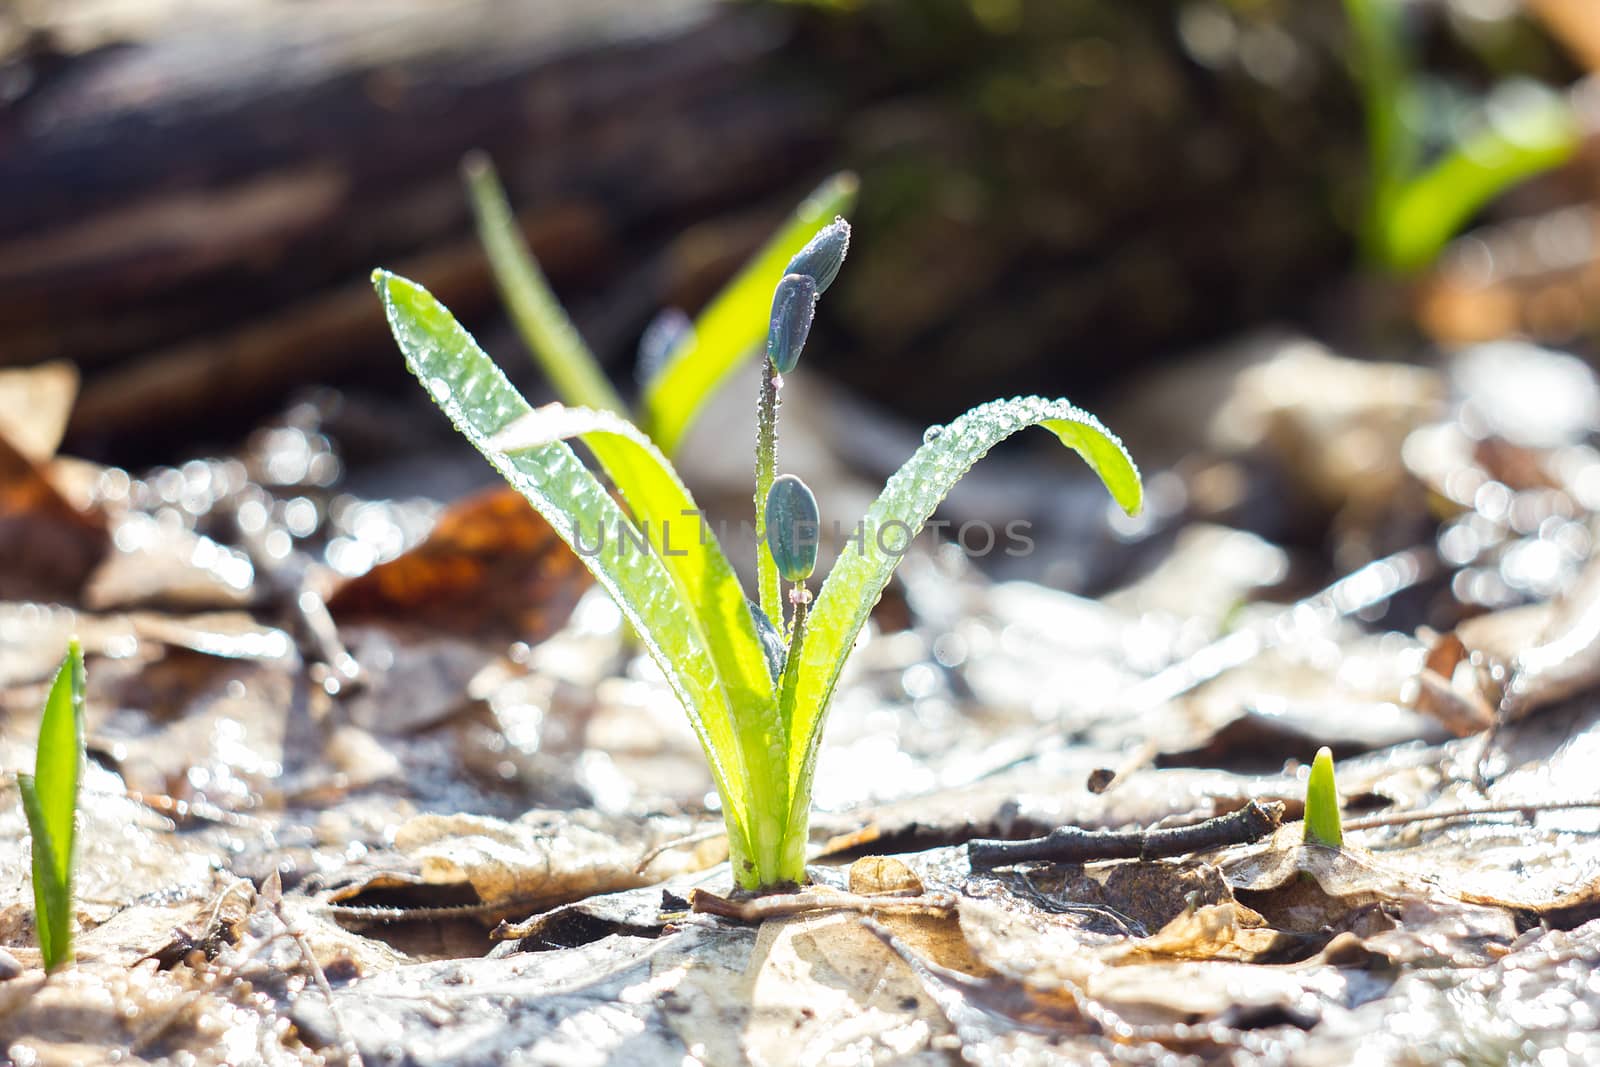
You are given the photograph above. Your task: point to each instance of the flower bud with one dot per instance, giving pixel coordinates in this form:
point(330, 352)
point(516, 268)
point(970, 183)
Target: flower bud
point(794, 305)
point(823, 255)
point(773, 646)
point(669, 332)
point(792, 522)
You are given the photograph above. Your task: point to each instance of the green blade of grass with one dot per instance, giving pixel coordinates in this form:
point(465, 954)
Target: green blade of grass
point(1426, 211)
point(50, 802)
point(52, 897)
point(1323, 825)
point(733, 326)
point(705, 579)
point(910, 497)
point(1383, 73)
point(573, 371)
point(481, 403)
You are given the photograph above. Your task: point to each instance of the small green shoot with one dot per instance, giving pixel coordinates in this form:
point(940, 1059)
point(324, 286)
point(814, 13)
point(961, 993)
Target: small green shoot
point(1414, 207)
point(1323, 825)
point(726, 333)
point(756, 692)
point(50, 802)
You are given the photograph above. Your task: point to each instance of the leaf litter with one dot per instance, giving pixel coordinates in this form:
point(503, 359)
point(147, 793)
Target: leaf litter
point(491, 839)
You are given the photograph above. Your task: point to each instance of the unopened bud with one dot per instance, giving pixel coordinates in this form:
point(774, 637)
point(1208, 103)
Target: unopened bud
point(794, 305)
point(823, 255)
point(792, 522)
point(662, 339)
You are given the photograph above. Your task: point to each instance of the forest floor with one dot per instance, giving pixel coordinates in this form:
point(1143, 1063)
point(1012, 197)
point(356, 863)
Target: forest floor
point(382, 780)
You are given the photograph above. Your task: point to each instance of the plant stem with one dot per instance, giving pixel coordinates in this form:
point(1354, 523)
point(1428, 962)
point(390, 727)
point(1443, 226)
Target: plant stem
point(766, 469)
point(791, 861)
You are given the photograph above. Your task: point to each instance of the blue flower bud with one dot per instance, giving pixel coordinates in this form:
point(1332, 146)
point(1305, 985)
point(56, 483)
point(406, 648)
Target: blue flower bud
point(794, 305)
point(773, 645)
point(823, 255)
point(662, 339)
point(792, 525)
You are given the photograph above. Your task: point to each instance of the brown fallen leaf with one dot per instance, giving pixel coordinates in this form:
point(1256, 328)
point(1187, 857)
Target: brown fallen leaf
point(543, 859)
point(47, 546)
point(1313, 890)
point(35, 403)
point(1225, 931)
point(492, 568)
point(883, 874)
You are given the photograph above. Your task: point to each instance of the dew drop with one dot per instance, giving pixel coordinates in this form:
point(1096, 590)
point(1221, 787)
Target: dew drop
point(931, 434)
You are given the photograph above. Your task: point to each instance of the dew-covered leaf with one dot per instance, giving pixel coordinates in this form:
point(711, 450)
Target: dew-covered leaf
point(664, 510)
point(907, 501)
point(481, 403)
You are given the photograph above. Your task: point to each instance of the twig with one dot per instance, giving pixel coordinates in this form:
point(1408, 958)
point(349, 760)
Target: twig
point(363, 914)
point(272, 895)
point(783, 905)
point(333, 667)
point(710, 833)
point(1403, 818)
point(1070, 844)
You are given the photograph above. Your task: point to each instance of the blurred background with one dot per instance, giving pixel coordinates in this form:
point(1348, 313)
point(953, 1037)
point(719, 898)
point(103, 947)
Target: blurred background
point(1121, 203)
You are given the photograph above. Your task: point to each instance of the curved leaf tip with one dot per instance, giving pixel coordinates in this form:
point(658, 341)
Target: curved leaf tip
point(1105, 454)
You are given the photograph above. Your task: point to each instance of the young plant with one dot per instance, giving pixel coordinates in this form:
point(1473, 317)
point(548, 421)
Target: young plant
point(725, 334)
point(1323, 825)
point(50, 802)
point(756, 690)
point(1415, 207)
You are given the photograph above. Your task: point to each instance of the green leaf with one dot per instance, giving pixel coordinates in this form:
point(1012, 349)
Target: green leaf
point(1412, 210)
point(862, 570)
point(1383, 63)
point(50, 801)
point(573, 371)
point(689, 550)
point(1323, 826)
point(1534, 134)
point(475, 395)
point(734, 325)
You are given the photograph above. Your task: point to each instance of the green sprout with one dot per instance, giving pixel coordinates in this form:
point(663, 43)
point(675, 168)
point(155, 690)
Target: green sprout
point(756, 691)
point(725, 334)
point(1415, 206)
point(50, 802)
point(1323, 826)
